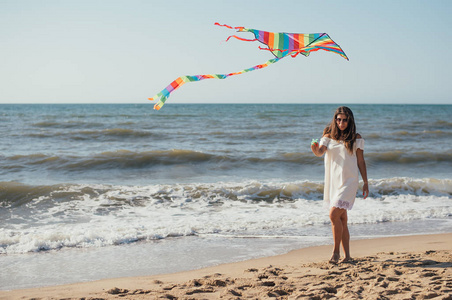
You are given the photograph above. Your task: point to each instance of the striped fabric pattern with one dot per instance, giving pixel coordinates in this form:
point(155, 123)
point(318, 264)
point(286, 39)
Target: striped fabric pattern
point(280, 44)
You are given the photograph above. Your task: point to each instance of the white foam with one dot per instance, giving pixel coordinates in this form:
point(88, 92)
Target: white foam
point(100, 215)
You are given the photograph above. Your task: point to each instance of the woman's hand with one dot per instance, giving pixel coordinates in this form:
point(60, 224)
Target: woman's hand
point(315, 147)
point(365, 190)
point(318, 150)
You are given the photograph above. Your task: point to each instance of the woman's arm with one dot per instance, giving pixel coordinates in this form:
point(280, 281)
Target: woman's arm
point(363, 170)
point(318, 151)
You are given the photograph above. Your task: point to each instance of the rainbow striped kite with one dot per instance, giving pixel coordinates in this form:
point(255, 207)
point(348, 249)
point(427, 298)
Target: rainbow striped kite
point(280, 44)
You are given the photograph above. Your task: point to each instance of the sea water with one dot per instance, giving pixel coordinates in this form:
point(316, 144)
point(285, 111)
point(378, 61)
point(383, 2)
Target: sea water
point(92, 191)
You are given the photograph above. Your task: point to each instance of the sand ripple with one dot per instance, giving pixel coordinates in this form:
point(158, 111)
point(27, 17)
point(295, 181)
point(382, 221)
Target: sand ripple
point(425, 275)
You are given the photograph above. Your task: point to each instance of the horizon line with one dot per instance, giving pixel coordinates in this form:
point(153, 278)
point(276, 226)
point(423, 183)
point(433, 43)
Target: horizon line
point(233, 103)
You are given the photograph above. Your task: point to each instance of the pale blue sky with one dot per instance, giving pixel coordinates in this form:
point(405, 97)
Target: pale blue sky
point(88, 51)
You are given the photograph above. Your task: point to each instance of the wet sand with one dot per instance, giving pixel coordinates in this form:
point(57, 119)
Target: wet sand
point(408, 267)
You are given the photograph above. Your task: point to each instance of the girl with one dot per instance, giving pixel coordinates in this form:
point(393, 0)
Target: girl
point(344, 157)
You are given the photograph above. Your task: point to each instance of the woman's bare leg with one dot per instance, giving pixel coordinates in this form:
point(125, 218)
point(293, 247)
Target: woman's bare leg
point(345, 237)
point(338, 231)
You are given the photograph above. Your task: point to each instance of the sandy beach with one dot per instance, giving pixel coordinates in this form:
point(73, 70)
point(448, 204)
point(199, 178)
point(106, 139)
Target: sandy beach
point(408, 267)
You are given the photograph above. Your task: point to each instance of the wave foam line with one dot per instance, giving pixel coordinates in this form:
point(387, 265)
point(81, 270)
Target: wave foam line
point(40, 218)
point(13, 194)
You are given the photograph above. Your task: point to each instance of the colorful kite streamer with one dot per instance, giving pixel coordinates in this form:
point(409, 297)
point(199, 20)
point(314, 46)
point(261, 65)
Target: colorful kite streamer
point(280, 44)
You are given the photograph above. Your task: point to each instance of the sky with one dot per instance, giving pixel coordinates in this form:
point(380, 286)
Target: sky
point(91, 51)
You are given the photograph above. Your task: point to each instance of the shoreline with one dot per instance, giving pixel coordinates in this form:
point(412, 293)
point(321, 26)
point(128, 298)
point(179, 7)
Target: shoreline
point(298, 267)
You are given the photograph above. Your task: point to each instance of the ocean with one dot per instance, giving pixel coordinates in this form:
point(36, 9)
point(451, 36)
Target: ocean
point(92, 191)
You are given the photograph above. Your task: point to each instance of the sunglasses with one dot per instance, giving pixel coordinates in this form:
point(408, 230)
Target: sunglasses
point(341, 120)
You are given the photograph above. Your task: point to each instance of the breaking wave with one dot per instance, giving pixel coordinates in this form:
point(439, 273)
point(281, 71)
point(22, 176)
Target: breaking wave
point(38, 218)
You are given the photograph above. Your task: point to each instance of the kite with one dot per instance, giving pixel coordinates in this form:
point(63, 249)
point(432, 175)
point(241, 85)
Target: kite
point(279, 44)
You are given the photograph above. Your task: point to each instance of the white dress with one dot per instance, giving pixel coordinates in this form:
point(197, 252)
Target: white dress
point(341, 173)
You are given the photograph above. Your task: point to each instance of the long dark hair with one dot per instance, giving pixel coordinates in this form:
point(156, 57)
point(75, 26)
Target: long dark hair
point(349, 134)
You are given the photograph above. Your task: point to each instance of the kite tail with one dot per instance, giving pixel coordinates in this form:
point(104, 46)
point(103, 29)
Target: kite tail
point(159, 105)
point(239, 28)
point(240, 38)
point(280, 44)
point(166, 92)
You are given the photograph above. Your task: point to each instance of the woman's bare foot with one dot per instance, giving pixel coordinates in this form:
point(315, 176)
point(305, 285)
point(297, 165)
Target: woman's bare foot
point(347, 260)
point(335, 258)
